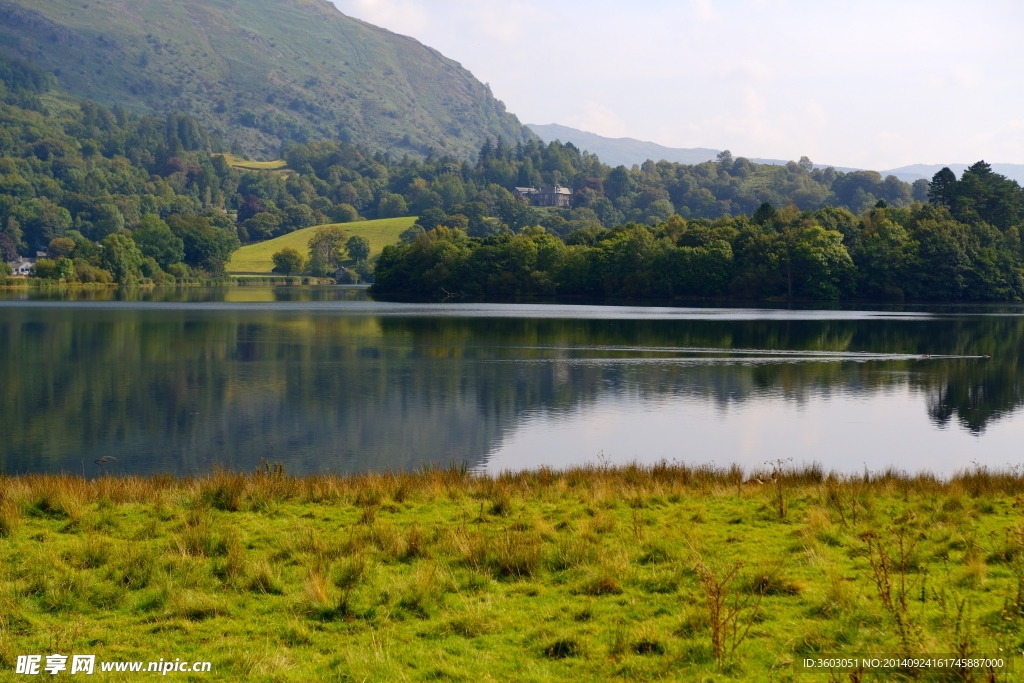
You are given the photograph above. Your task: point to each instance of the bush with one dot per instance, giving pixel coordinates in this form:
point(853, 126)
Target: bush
point(151, 269)
point(60, 246)
point(261, 226)
point(344, 213)
point(358, 248)
point(288, 261)
point(392, 205)
point(45, 268)
point(65, 268)
point(364, 270)
point(122, 258)
point(155, 239)
point(86, 272)
point(409, 235)
point(180, 271)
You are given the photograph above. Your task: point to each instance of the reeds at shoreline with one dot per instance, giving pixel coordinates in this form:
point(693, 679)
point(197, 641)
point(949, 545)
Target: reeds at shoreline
point(231, 490)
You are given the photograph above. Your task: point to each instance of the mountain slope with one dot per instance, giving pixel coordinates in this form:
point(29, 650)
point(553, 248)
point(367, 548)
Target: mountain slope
point(260, 71)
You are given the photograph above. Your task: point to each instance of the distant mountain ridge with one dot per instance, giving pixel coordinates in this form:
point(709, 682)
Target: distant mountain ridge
point(926, 171)
point(621, 151)
point(629, 151)
point(261, 72)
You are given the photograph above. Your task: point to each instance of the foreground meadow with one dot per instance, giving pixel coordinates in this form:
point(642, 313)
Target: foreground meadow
point(664, 573)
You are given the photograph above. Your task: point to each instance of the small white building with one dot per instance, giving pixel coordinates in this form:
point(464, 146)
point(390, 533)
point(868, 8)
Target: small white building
point(22, 266)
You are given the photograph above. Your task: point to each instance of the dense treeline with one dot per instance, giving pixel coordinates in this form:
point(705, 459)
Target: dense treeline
point(921, 251)
point(477, 196)
point(107, 196)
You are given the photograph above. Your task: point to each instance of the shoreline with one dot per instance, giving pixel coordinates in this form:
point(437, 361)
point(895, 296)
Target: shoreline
point(311, 283)
point(1006, 480)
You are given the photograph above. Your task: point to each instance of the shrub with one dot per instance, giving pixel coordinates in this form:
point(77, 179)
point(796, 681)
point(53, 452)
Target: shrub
point(46, 269)
point(288, 261)
point(60, 247)
point(409, 235)
point(392, 205)
point(86, 272)
point(180, 271)
point(345, 213)
point(358, 248)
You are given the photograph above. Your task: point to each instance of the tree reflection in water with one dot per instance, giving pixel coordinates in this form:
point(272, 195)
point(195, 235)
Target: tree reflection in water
point(181, 389)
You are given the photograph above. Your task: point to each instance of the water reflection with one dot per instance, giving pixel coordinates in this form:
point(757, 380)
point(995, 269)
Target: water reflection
point(339, 383)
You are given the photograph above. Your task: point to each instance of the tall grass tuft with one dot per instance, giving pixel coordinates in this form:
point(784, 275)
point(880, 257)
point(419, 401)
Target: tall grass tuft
point(224, 490)
point(263, 579)
point(516, 554)
point(10, 518)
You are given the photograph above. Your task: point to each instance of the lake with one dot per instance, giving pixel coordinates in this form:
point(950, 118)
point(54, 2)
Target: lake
point(328, 380)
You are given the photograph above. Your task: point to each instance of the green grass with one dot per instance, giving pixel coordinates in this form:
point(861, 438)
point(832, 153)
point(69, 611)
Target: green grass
point(256, 258)
point(245, 164)
point(591, 574)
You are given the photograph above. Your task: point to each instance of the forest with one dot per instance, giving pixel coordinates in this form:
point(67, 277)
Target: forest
point(919, 252)
point(111, 195)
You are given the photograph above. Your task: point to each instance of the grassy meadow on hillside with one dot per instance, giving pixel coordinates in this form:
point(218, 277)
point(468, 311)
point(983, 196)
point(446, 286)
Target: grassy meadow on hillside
point(257, 258)
point(247, 165)
point(662, 573)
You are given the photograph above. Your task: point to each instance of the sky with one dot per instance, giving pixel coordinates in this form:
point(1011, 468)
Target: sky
point(862, 83)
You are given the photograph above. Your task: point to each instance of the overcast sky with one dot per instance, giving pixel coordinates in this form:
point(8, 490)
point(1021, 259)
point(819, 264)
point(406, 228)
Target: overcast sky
point(858, 83)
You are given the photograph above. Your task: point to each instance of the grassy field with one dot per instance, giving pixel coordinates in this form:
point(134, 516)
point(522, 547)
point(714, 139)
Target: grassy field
point(666, 573)
point(246, 165)
point(256, 258)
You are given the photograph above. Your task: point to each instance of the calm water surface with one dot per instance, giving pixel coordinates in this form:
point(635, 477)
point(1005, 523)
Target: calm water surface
point(329, 380)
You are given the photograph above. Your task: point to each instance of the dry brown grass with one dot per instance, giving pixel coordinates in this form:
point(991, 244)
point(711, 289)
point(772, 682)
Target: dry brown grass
point(63, 495)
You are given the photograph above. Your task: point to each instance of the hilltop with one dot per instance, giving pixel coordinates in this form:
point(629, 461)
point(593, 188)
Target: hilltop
point(260, 72)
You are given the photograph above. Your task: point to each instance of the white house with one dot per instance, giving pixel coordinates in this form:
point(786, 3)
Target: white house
point(22, 265)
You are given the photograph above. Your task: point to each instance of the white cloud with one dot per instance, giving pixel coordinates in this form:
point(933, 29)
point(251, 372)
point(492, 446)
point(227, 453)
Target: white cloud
point(598, 119)
point(871, 83)
point(704, 9)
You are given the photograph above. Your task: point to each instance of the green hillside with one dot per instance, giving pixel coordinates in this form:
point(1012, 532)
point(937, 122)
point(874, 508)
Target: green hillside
point(256, 258)
point(260, 71)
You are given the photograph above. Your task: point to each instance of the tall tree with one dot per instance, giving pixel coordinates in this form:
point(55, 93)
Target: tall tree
point(942, 191)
